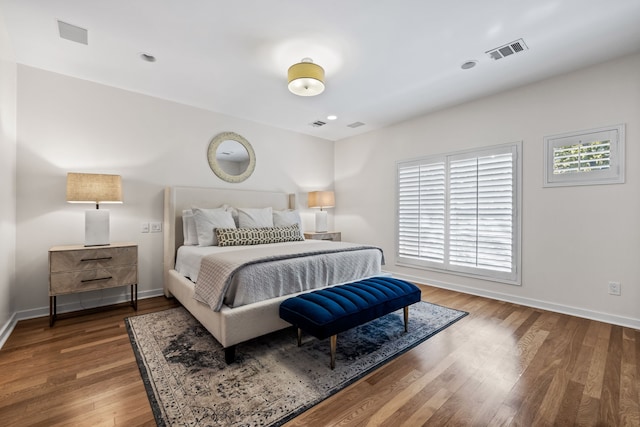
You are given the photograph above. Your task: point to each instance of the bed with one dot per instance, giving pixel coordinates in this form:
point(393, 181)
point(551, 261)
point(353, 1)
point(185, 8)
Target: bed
point(234, 322)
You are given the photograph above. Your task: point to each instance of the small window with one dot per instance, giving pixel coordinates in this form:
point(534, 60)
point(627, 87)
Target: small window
point(589, 157)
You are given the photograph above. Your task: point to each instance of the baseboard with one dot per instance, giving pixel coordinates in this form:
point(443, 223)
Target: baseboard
point(7, 328)
point(64, 308)
point(529, 302)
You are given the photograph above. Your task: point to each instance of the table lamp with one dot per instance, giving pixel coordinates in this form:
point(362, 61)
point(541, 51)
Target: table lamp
point(322, 200)
point(94, 188)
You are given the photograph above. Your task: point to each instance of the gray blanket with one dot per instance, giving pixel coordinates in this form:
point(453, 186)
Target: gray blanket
point(262, 272)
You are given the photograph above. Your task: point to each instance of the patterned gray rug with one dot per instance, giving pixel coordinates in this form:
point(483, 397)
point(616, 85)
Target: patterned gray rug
point(273, 380)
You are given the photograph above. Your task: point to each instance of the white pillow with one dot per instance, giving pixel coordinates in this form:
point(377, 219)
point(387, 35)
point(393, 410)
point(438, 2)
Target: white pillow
point(207, 220)
point(255, 218)
point(234, 213)
point(189, 228)
point(287, 218)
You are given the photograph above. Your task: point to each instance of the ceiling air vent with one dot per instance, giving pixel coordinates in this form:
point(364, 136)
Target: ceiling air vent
point(355, 125)
point(508, 49)
point(72, 32)
point(318, 123)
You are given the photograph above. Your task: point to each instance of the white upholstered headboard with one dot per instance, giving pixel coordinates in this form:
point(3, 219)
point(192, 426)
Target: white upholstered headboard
point(177, 199)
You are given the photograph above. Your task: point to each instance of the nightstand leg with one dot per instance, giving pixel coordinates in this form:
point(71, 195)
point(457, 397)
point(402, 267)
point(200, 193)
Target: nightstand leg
point(52, 310)
point(134, 296)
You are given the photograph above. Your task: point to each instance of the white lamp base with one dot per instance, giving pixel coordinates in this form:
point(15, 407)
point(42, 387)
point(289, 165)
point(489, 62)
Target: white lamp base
point(96, 227)
point(321, 222)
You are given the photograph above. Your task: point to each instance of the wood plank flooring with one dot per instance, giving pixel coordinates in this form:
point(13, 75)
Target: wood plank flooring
point(502, 365)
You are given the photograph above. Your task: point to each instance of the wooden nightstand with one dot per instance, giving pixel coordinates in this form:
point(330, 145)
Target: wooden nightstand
point(336, 236)
point(78, 268)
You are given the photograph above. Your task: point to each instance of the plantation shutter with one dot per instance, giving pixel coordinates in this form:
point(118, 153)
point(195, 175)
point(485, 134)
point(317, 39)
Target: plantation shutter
point(421, 212)
point(582, 157)
point(458, 213)
point(481, 212)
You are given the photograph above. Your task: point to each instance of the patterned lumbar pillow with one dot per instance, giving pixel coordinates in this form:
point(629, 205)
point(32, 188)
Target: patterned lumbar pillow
point(257, 236)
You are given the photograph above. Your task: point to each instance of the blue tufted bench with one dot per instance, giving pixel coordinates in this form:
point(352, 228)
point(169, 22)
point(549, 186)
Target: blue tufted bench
point(327, 312)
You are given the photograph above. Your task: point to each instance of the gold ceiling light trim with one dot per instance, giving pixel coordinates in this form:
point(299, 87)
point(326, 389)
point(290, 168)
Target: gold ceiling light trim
point(306, 78)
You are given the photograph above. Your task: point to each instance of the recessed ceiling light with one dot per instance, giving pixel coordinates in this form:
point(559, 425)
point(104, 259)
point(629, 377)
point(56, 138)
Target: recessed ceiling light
point(469, 64)
point(332, 117)
point(147, 57)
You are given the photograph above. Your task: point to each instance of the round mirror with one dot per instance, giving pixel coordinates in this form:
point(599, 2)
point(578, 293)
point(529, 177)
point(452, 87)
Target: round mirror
point(231, 157)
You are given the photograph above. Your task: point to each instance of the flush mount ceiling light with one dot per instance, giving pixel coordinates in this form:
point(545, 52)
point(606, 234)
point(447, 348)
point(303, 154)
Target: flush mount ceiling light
point(306, 78)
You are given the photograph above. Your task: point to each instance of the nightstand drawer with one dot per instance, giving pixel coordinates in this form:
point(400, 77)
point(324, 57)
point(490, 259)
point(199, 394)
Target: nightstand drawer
point(90, 259)
point(90, 280)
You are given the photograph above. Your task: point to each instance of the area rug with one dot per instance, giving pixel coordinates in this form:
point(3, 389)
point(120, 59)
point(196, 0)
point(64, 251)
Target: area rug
point(273, 380)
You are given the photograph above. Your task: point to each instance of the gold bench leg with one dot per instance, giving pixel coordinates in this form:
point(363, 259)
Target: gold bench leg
point(406, 319)
point(334, 340)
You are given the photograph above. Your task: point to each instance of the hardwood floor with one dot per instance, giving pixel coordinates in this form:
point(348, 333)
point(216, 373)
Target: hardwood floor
point(503, 364)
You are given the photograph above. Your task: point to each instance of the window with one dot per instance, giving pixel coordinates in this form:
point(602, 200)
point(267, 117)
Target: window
point(587, 157)
point(459, 213)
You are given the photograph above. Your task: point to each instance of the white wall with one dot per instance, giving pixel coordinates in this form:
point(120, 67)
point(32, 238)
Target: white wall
point(7, 182)
point(70, 125)
point(572, 244)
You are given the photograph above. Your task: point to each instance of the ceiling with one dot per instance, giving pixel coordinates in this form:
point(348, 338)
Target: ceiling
point(385, 61)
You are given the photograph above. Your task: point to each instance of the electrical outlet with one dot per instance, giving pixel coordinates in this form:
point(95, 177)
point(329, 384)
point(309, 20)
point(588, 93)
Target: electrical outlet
point(144, 227)
point(615, 288)
point(156, 227)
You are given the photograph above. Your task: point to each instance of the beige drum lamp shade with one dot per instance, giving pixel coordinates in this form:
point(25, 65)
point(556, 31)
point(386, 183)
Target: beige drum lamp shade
point(93, 188)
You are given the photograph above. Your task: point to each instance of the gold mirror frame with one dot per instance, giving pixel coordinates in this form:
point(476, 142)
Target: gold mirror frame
point(215, 166)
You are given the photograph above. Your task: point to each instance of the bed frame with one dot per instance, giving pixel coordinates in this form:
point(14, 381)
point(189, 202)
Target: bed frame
point(228, 326)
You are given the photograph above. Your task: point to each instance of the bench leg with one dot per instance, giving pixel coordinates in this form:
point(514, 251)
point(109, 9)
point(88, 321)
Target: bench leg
point(406, 319)
point(334, 341)
point(299, 337)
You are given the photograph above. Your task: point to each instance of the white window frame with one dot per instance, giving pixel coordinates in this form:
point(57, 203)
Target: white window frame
point(443, 264)
point(613, 174)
